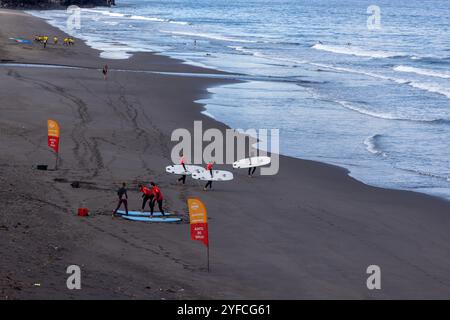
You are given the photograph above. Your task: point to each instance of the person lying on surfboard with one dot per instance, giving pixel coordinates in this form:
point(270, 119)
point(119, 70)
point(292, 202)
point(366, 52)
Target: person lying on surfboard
point(158, 197)
point(209, 167)
point(182, 162)
point(147, 195)
point(123, 198)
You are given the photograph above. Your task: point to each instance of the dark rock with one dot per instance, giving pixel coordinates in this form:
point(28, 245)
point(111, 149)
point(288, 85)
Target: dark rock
point(53, 4)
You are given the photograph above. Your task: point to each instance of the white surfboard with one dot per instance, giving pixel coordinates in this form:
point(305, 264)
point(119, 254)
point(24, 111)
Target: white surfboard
point(218, 175)
point(178, 169)
point(251, 162)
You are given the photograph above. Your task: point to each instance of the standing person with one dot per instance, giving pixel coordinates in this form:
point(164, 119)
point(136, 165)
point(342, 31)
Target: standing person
point(45, 42)
point(123, 198)
point(209, 167)
point(158, 197)
point(147, 195)
point(251, 170)
point(105, 71)
point(183, 163)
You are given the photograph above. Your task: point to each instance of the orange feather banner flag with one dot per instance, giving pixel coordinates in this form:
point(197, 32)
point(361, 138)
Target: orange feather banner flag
point(199, 220)
point(53, 135)
point(199, 223)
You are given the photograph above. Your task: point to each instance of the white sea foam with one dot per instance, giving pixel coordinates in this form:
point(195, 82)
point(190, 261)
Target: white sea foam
point(431, 87)
point(356, 51)
point(148, 19)
point(424, 72)
point(209, 36)
point(372, 145)
point(386, 115)
point(427, 86)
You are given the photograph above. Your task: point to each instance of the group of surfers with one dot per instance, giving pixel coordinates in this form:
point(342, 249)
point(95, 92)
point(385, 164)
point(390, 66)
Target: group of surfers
point(44, 40)
point(152, 195)
point(209, 167)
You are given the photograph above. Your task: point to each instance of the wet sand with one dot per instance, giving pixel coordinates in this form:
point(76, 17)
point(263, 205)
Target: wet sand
point(309, 232)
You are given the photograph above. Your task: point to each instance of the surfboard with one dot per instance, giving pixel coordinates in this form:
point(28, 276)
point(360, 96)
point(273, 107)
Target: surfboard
point(218, 175)
point(251, 162)
point(148, 219)
point(142, 214)
point(23, 41)
point(178, 169)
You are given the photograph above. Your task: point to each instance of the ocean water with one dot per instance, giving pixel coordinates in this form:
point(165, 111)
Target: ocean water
point(375, 101)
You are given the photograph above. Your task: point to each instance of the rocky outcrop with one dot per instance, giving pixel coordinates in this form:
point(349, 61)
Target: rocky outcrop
point(52, 4)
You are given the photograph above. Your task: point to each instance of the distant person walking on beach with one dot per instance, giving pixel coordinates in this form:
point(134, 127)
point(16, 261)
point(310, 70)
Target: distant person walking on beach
point(147, 195)
point(182, 162)
point(123, 199)
point(209, 167)
point(105, 71)
point(158, 197)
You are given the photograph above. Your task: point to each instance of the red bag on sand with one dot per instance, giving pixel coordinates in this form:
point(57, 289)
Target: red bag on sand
point(83, 212)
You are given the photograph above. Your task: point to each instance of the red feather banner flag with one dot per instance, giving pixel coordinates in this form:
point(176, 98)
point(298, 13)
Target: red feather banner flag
point(199, 222)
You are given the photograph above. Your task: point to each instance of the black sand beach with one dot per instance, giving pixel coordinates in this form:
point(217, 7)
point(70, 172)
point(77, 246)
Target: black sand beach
point(309, 232)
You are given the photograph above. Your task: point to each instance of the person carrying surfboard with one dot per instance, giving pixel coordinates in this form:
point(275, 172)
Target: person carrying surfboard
point(209, 167)
point(158, 197)
point(251, 170)
point(123, 199)
point(182, 162)
point(147, 195)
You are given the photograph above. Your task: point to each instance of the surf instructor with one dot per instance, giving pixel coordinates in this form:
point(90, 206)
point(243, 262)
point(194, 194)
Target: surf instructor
point(123, 199)
point(147, 195)
point(158, 197)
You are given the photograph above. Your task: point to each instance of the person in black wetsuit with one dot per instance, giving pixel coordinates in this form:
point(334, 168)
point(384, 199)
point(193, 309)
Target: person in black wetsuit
point(123, 198)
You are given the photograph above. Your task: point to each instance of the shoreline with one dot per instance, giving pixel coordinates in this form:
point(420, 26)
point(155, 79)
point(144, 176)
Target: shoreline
point(435, 191)
point(308, 233)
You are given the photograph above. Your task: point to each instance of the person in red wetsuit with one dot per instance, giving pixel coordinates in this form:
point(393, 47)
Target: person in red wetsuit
point(209, 167)
point(183, 163)
point(123, 199)
point(147, 195)
point(158, 197)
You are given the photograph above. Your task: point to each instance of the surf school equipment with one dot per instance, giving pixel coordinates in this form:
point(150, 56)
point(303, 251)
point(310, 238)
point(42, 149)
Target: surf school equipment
point(149, 219)
point(218, 175)
point(18, 40)
point(251, 162)
point(142, 214)
point(178, 169)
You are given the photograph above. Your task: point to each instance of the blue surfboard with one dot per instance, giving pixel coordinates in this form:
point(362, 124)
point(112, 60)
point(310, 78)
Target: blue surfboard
point(148, 219)
point(142, 214)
